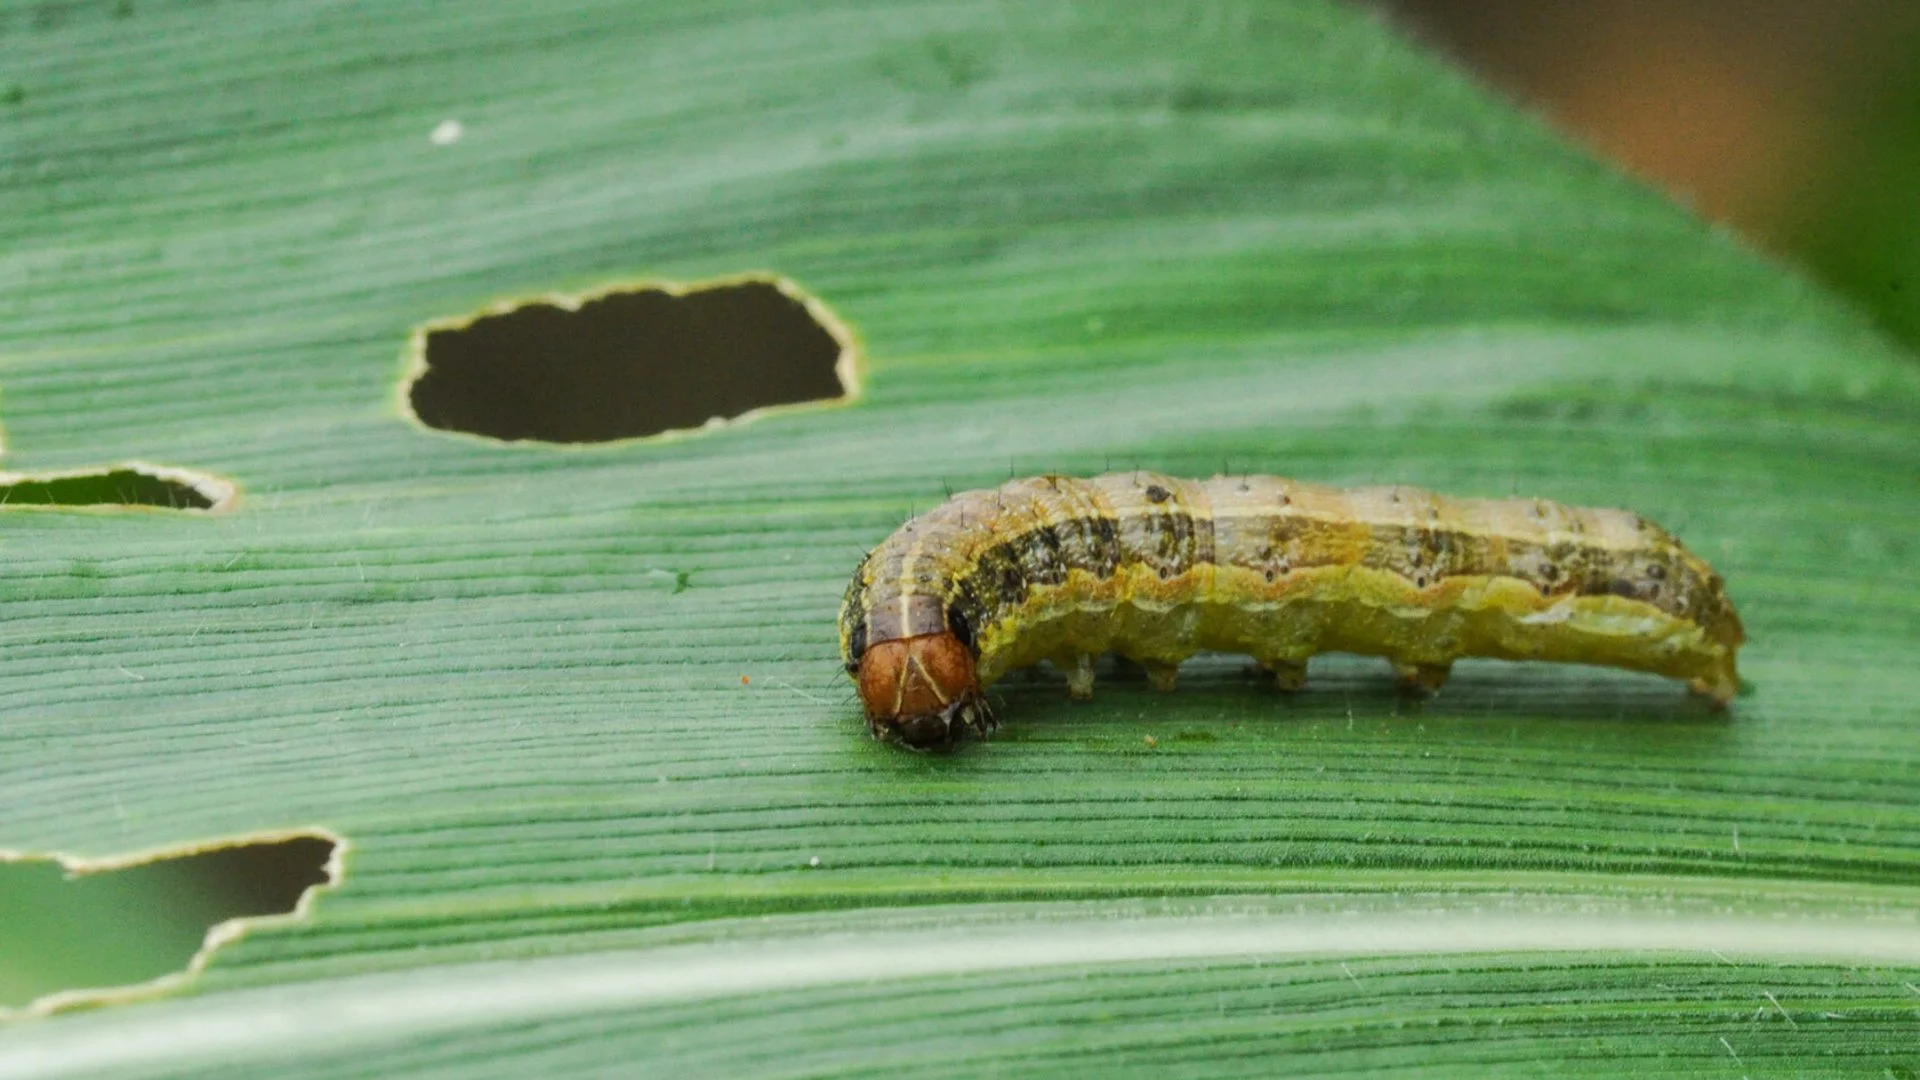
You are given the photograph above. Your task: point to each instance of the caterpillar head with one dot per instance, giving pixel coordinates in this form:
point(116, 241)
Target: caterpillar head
point(922, 691)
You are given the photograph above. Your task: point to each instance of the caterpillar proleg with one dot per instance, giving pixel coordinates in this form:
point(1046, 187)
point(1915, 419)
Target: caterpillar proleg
point(1157, 568)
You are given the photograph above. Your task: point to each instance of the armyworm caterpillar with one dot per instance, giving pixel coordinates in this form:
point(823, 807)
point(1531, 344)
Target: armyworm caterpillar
point(1157, 568)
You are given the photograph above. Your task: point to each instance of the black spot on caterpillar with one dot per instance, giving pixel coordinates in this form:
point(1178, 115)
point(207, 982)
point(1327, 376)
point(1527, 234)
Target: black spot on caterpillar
point(1157, 568)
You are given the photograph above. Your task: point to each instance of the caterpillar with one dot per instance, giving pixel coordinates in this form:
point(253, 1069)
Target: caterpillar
point(1157, 568)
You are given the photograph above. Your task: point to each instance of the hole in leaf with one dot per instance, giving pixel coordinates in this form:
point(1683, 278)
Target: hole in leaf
point(631, 362)
point(132, 484)
point(73, 931)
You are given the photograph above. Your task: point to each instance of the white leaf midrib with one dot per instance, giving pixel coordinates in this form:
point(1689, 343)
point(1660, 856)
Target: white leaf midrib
point(260, 1024)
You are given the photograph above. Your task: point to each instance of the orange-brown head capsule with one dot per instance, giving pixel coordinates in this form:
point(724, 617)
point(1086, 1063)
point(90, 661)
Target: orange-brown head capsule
point(922, 691)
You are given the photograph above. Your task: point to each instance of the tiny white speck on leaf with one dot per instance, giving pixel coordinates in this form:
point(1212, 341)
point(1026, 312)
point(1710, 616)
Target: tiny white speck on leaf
point(447, 133)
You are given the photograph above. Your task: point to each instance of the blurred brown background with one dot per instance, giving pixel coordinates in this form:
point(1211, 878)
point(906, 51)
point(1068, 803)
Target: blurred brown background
point(1795, 121)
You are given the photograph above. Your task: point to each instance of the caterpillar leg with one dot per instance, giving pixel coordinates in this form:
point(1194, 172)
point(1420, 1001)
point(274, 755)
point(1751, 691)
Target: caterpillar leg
point(1079, 671)
point(1718, 692)
point(1288, 675)
point(1161, 675)
point(1423, 678)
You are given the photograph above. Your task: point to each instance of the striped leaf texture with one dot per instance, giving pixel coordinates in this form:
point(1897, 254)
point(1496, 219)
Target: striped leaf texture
point(577, 712)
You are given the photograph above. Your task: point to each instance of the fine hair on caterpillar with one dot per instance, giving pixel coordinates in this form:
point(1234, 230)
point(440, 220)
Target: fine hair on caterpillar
point(1157, 568)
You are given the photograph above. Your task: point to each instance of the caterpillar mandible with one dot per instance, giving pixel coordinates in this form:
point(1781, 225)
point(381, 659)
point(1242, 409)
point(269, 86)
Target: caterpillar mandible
point(1157, 568)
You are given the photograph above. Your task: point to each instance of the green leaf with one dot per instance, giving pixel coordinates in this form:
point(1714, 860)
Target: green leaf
point(577, 712)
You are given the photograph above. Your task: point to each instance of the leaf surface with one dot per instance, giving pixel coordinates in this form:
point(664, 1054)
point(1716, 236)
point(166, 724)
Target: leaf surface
point(578, 711)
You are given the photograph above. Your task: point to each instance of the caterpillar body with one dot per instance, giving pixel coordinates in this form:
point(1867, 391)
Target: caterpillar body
point(1157, 568)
